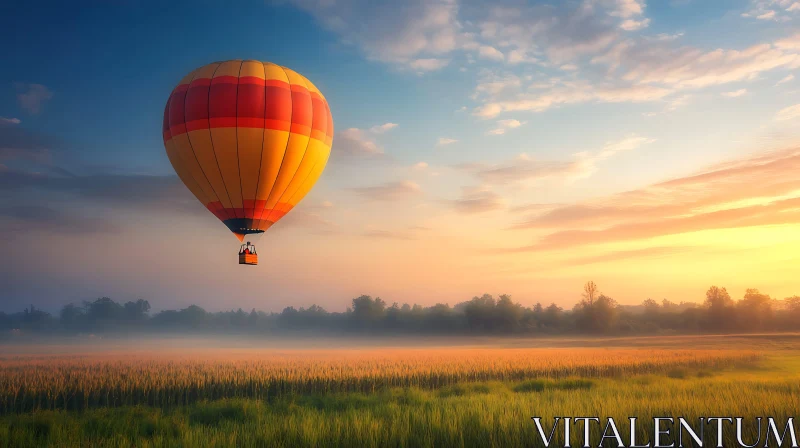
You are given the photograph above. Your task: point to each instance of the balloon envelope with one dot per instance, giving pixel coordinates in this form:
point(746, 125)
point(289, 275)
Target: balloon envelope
point(249, 139)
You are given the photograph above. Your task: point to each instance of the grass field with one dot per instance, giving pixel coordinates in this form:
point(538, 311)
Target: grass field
point(481, 395)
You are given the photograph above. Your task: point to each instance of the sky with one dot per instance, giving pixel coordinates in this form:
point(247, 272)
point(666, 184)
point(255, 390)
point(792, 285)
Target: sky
point(516, 147)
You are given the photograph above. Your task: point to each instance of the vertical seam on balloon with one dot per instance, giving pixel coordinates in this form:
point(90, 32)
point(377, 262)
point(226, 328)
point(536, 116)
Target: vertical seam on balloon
point(300, 188)
point(261, 153)
point(302, 184)
point(280, 167)
point(263, 138)
point(211, 139)
point(190, 140)
point(239, 159)
point(305, 151)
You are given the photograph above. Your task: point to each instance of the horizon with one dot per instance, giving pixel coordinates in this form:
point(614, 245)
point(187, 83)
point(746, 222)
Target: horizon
point(517, 148)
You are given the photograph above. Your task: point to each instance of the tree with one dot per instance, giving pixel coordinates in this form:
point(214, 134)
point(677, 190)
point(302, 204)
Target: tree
point(754, 310)
point(792, 315)
point(367, 312)
point(71, 316)
point(719, 307)
point(479, 313)
point(552, 316)
point(650, 307)
point(508, 315)
point(103, 311)
point(589, 292)
point(137, 311)
point(596, 316)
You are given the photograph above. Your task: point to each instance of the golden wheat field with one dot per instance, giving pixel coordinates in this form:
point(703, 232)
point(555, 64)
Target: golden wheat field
point(172, 377)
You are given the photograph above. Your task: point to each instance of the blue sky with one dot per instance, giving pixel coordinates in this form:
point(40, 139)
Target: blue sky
point(462, 127)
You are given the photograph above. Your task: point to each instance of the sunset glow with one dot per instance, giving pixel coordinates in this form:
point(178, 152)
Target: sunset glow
point(517, 148)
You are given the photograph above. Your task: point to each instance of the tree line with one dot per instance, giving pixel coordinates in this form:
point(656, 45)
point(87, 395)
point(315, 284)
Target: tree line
point(595, 313)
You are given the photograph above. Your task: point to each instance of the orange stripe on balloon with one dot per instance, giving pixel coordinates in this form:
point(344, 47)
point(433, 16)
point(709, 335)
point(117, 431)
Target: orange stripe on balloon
point(277, 125)
point(301, 129)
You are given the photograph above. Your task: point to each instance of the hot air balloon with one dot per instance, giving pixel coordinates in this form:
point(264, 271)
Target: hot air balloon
point(249, 139)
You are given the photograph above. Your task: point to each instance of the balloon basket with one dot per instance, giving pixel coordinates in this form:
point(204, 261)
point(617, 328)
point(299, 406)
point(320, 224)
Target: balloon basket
point(251, 259)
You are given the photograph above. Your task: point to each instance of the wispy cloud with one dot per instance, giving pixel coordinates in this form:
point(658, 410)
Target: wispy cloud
point(735, 93)
point(505, 125)
point(445, 141)
point(31, 97)
point(12, 120)
point(391, 191)
point(772, 10)
point(784, 80)
point(389, 234)
point(762, 189)
point(417, 34)
point(526, 169)
point(381, 128)
point(24, 219)
point(788, 113)
point(354, 142)
point(477, 200)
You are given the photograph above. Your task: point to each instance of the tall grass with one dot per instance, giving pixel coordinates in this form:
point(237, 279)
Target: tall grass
point(485, 414)
point(170, 378)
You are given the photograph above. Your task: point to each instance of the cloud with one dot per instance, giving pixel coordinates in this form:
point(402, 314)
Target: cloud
point(380, 129)
point(560, 33)
point(420, 166)
point(428, 64)
point(788, 78)
point(735, 93)
point(6, 121)
point(25, 219)
point(525, 169)
point(492, 84)
point(666, 37)
point(354, 142)
point(788, 113)
point(761, 189)
point(389, 234)
point(307, 219)
point(766, 16)
point(504, 125)
point(489, 52)
point(781, 212)
point(477, 200)
point(647, 252)
point(572, 92)
point(359, 143)
point(659, 63)
point(414, 34)
point(17, 143)
point(628, 8)
point(391, 191)
point(126, 190)
point(773, 10)
point(634, 25)
point(49, 197)
point(31, 97)
point(445, 141)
